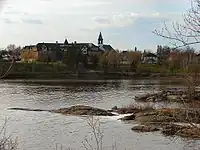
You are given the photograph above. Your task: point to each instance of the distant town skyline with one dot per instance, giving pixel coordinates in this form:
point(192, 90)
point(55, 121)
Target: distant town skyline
point(124, 24)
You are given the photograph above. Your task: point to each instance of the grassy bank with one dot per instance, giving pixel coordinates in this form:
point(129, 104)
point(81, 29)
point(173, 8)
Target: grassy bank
point(62, 71)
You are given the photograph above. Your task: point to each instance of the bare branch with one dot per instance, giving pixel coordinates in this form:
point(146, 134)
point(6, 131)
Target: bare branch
point(185, 34)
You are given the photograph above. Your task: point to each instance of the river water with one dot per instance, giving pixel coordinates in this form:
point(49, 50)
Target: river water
point(46, 131)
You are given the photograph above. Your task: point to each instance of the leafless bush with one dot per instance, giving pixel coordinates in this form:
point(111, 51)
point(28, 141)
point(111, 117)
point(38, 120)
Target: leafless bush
point(95, 140)
point(191, 80)
point(97, 135)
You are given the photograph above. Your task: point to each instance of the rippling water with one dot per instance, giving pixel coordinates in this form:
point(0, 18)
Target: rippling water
point(43, 130)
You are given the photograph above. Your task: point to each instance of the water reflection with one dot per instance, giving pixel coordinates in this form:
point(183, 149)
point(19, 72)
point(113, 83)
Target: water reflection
point(72, 87)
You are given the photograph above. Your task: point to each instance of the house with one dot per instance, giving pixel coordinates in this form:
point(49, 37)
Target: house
point(29, 53)
point(149, 58)
point(85, 48)
point(88, 50)
point(4, 55)
point(53, 51)
point(50, 51)
point(42, 52)
point(130, 57)
point(124, 58)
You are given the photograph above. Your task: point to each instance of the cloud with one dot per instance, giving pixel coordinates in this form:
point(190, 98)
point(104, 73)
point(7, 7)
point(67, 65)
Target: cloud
point(90, 3)
point(22, 21)
point(8, 21)
point(16, 13)
point(2, 2)
point(118, 19)
point(32, 21)
point(102, 20)
point(45, 0)
point(81, 20)
point(114, 20)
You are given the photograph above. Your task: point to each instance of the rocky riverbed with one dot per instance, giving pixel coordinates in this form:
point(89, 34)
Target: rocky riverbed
point(165, 119)
point(184, 123)
point(150, 119)
point(172, 95)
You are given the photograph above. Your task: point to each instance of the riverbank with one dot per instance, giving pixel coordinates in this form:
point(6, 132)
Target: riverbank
point(61, 71)
point(87, 82)
point(90, 75)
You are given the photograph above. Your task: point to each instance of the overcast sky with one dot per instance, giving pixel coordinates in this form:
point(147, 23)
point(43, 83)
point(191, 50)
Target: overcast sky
point(124, 23)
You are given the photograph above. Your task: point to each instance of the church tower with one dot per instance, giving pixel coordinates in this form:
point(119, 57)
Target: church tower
point(100, 40)
point(66, 42)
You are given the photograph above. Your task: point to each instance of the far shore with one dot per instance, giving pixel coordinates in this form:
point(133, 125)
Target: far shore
point(91, 75)
point(96, 80)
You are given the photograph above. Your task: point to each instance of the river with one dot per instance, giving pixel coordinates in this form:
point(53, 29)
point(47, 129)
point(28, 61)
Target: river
point(46, 131)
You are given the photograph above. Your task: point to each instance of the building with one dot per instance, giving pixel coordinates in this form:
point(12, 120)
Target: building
point(29, 53)
point(88, 50)
point(124, 58)
point(4, 55)
point(149, 58)
point(50, 51)
point(56, 51)
point(103, 46)
point(42, 52)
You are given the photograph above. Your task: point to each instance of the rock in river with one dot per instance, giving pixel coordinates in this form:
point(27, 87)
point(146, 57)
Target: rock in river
point(130, 117)
point(144, 128)
point(83, 110)
point(77, 110)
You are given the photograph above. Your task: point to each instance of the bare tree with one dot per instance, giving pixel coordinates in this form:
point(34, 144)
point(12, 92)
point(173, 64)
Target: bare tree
point(113, 58)
point(104, 61)
point(183, 35)
point(187, 33)
point(133, 58)
point(11, 47)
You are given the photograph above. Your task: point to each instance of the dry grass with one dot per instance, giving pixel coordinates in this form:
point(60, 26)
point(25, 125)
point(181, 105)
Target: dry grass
point(135, 108)
point(182, 131)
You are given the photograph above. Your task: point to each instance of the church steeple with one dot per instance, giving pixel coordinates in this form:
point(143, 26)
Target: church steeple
point(66, 42)
point(100, 39)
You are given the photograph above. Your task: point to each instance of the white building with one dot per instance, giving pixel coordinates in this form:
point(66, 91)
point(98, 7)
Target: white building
point(149, 58)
